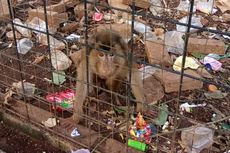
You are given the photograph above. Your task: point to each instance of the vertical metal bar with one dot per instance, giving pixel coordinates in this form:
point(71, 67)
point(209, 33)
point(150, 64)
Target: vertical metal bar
point(18, 56)
point(49, 51)
point(130, 60)
point(182, 71)
point(87, 55)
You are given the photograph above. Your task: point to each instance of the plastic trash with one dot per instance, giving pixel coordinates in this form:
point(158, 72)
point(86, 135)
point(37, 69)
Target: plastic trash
point(215, 95)
point(189, 63)
point(174, 42)
point(81, 151)
point(59, 77)
point(215, 65)
point(29, 88)
point(187, 107)
point(73, 37)
point(140, 27)
point(59, 60)
point(137, 145)
point(75, 133)
point(24, 45)
point(50, 122)
point(196, 139)
point(156, 7)
point(37, 24)
point(97, 16)
point(25, 32)
point(206, 7)
point(185, 6)
point(195, 22)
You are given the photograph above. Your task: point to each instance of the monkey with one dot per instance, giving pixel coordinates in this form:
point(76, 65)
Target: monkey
point(108, 60)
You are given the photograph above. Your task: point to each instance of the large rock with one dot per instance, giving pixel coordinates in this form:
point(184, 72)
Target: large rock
point(157, 54)
point(171, 81)
point(206, 46)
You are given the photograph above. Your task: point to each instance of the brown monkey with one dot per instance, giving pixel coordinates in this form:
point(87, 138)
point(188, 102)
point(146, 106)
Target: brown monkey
point(108, 61)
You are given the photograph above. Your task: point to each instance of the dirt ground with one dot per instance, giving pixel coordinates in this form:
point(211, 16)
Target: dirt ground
point(14, 141)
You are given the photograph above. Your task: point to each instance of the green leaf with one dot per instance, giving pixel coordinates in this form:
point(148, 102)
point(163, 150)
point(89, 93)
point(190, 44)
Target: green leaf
point(162, 116)
point(58, 77)
point(198, 55)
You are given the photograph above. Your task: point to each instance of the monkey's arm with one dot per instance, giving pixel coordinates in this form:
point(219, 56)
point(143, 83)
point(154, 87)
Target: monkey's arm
point(81, 89)
point(137, 89)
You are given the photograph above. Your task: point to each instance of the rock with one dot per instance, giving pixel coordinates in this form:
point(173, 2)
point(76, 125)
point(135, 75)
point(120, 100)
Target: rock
point(60, 7)
point(171, 81)
point(80, 9)
point(153, 89)
point(206, 46)
point(10, 35)
point(226, 17)
point(54, 18)
point(117, 4)
point(54, 43)
point(76, 57)
point(123, 29)
point(59, 60)
point(4, 11)
point(140, 3)
point(204, 73)
point(70, 27)
point(157, 54)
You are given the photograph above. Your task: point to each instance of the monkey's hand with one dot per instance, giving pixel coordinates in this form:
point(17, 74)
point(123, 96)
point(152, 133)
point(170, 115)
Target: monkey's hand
point(77, 115)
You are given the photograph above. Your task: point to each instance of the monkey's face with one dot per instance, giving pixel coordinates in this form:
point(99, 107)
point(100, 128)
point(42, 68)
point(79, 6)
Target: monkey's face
point(106, 64)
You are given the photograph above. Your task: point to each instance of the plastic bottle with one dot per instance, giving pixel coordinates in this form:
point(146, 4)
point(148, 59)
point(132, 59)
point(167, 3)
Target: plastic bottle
point(137, 145)
point(24, 45)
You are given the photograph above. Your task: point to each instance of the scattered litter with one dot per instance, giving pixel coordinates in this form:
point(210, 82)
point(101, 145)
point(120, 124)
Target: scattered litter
point(73, 37)
point(189, 63)
point(198, 55)
point(59, 60)
point(215, 56)
point(58, 77)
point(165, 126)
point(54, 43)
point(188, 108)
point(206, 7)
point(162, 116)
point(137, 145)
point(184, 6)
point(38, 59)
point(196, 139)
point(140, 27)
point(174, 42)
point(212, 88)
point(215, 95)
point(196, 21)
point(140, 130)
point(75, 133)
point(24, 88)
point(81, 151)
point(50, 122)
point(223, 5)
point(97, 16)
point(37, 24)
point(225, 126)
point(215, 65)
point(156, 7)
point(24, 31)
point(64, 99)
point(8, 94)
point(24, 45)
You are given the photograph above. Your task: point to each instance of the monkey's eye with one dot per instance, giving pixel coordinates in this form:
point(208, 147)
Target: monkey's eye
point(101, 54)
point(111, 54)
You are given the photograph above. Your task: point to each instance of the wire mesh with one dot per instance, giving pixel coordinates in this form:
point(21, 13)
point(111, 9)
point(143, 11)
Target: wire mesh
point(44, 42)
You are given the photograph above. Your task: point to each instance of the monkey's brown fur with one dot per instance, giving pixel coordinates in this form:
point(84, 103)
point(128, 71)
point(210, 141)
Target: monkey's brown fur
point(111, 66)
